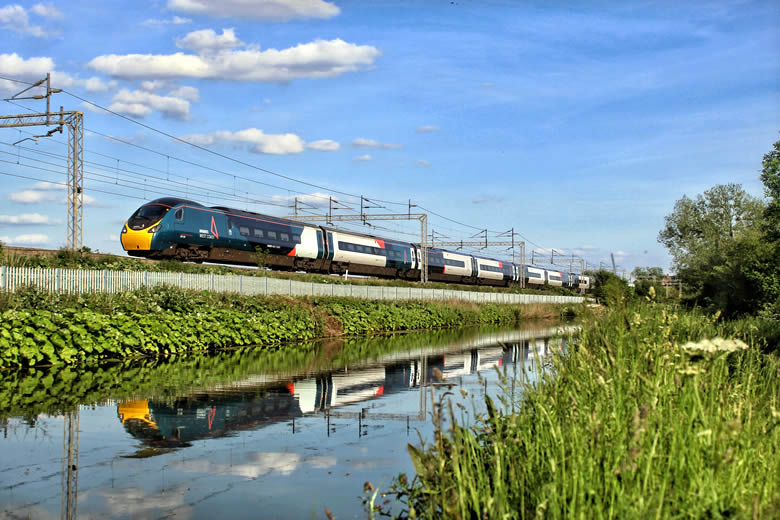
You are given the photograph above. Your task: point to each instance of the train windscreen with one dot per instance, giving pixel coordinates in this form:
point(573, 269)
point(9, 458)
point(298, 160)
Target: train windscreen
point(147, 215)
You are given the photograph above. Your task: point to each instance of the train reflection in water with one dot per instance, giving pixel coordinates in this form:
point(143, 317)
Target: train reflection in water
point(262, 400)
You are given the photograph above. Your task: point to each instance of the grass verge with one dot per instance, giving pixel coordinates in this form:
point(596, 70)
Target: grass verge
point(641, 418)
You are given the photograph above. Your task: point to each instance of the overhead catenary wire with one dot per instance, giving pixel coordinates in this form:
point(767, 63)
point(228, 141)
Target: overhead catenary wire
point(237, 161)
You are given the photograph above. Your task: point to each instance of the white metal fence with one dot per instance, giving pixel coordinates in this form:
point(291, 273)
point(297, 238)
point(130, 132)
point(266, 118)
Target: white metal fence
point(83, 280)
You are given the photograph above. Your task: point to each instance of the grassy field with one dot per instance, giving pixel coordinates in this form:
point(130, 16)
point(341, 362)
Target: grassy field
point(642, 418)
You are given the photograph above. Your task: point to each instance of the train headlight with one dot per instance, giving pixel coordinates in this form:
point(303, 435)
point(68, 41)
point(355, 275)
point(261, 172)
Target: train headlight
point(154, 229)
point(124, 229)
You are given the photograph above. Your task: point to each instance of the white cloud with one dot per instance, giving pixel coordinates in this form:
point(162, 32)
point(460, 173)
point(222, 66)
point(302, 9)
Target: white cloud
point(113, 238)
point(35, 219)
point(274, 10)
point(31, 197)
point(44, 192)
point(34, 69)
point(26, 240)
point(317, 199)
point(47, 186)
point(46, 10)
point(324, 145)
point(427, 128)
point(482, 199)
point(188, 93)
point(278, 144)
point(422, 162)
point(207, 41)
point(14, 17)
point(155, 85)
point(93, 84)
point(176, 20)
point(139, 103)
point(362, 142)
point(15, 66)
point(362, 158)
point(253, 465)
point(91, 201)
point(318, 59)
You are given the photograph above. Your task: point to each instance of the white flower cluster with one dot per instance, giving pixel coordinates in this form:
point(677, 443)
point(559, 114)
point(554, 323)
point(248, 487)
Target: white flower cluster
point(716, 345)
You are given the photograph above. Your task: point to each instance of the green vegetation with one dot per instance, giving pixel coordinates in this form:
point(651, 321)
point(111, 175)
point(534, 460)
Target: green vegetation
point(31, 391)
point(726, 246)
point(38, 328)
point(640, 419)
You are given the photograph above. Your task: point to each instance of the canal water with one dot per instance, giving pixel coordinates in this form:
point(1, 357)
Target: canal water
point(244, 433)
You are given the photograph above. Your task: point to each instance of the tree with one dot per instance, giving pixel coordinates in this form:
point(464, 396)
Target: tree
point(608, 288)
point(770, 176)
point(262, 257)
point(719, 242)
point(698, 228)
point(647, 273)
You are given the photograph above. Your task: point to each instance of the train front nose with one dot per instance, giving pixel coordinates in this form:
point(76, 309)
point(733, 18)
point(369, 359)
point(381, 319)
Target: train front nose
point(137, 240)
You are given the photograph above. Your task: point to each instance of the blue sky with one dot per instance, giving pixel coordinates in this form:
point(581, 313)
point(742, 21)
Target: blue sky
point(577, 124)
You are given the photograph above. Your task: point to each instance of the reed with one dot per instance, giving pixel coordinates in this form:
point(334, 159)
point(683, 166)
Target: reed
point(640, 418)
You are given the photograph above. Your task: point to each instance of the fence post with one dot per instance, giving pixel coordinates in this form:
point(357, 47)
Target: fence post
point(266, 285)
point(4, 277)
point(105, 280)
point(57, 280)
point(241, 284)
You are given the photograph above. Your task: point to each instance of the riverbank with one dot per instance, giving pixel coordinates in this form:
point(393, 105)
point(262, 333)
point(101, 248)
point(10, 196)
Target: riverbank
point(38, 328)
point(642, 418)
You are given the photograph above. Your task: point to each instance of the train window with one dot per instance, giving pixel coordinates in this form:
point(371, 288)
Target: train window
point(244, 230)
point(258, 233)
point(179, 214)
point(272, 235)
point(284, 237)
point(297, 239)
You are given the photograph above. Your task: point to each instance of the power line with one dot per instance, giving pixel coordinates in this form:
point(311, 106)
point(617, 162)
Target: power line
point(243, 163)
point(221, 155)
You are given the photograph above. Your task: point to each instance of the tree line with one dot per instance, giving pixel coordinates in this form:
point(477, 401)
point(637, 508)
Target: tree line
point(725, 246)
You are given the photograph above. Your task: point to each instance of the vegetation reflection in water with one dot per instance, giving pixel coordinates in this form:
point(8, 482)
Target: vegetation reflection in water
point(240, 406)
point(28, 393)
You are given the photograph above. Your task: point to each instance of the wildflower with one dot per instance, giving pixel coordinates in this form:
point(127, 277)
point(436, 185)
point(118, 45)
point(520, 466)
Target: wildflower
point(711, 346)
point(690, 371)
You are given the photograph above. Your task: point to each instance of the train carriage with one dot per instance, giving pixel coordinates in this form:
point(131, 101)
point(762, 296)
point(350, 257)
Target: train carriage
point(493, 272)
point(365, 254)
point(177, 228)
point(554, 278)
point(446, 266)
point(534, 276)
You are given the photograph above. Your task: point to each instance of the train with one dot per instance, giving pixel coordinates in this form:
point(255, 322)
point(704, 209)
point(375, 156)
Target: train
point(262, 400)
point(175, 228)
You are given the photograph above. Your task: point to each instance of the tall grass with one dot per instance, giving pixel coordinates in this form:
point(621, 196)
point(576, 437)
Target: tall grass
point(632, 422)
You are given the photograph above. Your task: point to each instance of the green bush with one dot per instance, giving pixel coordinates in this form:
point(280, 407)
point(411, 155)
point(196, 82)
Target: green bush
point(38, 328)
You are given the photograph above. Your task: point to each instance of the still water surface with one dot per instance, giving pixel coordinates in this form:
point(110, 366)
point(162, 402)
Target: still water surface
point(242, 434)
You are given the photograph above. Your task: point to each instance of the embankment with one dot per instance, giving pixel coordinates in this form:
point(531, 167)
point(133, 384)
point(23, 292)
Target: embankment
point(38, 328)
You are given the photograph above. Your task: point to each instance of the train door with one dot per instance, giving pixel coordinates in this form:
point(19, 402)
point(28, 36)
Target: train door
point(474, 268)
